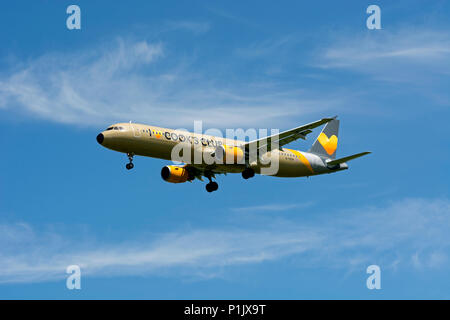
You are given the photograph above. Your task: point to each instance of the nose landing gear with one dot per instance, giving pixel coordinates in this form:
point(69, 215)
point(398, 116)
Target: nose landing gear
point(130, 164)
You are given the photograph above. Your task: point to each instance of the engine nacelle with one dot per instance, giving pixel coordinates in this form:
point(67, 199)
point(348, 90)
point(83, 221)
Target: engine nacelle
point(229, 154)
point(174, 174)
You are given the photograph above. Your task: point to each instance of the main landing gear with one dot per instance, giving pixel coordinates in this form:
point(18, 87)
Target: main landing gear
point(248, 173)
point(212, 185)
point(130, 164)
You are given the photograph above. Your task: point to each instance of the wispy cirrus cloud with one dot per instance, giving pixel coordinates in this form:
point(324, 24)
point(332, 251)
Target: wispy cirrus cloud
point(406, 54)
point(409, 232)
point(136, 80)
point(192, 253)
point(144, 82)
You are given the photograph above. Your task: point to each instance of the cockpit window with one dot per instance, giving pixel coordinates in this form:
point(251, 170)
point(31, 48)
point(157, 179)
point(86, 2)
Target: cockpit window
point(115, 128)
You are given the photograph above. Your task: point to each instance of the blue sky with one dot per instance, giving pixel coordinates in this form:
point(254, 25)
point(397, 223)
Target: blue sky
point(65, 200)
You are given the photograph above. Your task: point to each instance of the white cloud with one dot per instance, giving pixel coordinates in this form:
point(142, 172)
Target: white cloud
point(40, 258)
point(407, 54)
point(135, 80)
point(410, 232)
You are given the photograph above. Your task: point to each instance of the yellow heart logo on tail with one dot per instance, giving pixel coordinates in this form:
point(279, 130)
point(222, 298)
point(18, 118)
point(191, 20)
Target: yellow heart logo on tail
point(329, 144)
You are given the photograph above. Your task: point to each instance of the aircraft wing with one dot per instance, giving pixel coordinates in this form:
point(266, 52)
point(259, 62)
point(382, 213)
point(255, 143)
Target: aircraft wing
point(285, 137)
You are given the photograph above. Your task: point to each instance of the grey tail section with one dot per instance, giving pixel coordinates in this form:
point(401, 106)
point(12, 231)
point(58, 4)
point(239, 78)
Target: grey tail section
point(325, 144)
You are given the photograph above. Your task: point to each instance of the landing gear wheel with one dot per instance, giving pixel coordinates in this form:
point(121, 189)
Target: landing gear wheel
point(248, 173)
point(212, 186)
point(129, 166)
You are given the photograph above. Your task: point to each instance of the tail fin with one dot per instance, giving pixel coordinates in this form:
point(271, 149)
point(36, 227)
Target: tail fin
point(326, 143)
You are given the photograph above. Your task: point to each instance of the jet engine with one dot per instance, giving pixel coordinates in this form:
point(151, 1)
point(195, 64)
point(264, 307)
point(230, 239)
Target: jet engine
point(175, 174)
point(229, 154)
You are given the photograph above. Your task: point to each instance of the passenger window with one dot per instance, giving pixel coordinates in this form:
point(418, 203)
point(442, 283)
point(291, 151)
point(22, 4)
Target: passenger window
point(115, 128)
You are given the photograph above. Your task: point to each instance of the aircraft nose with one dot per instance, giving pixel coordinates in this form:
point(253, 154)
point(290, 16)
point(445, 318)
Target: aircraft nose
point(100, 138)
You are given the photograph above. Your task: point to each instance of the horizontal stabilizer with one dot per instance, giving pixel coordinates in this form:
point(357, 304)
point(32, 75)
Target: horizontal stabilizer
point(345, 159)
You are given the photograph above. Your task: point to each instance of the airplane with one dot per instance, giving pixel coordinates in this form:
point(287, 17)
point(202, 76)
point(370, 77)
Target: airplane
point(229, 155)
